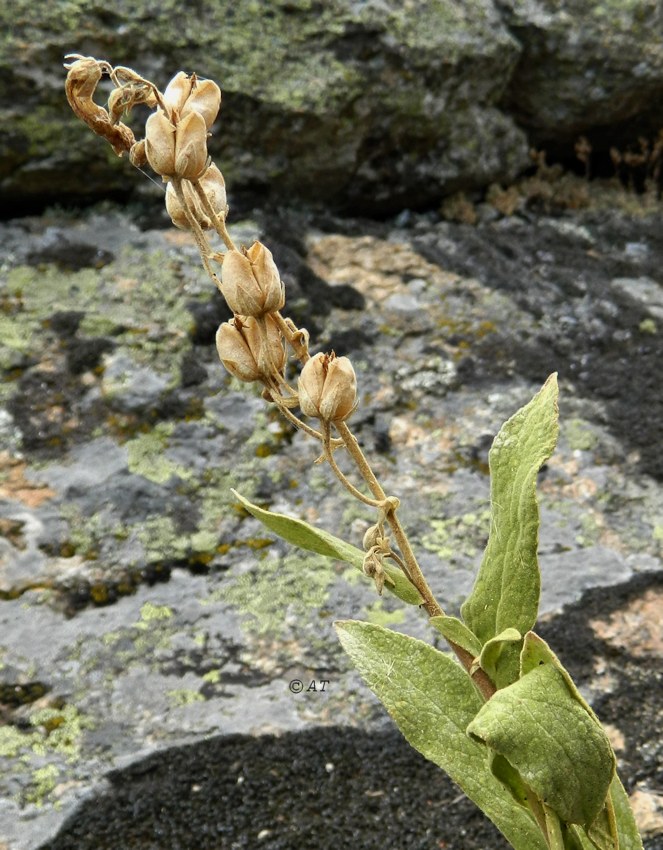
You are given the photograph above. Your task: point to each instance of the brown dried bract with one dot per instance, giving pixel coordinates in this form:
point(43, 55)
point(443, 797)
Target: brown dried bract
point(82, 79)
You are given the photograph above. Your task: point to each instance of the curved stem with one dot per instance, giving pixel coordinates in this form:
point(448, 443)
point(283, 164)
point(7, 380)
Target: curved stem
point(296, 421)
point(294, 337)
point(349, 486)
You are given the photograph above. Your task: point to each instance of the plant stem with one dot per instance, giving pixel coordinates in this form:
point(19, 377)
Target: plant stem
point(199, 235)
point(432, 606)
point(414, 573)
point(219, 219)
point(294, 337)
point(349, 486)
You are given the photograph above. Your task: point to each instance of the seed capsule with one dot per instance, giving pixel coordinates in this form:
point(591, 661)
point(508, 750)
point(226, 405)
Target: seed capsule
point(250, 281)
point(245, 353)
point(214, 187)
point(328, 388)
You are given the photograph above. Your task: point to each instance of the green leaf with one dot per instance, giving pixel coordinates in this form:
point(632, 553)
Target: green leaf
point(306, 536)
point(603, 831)
point(627, 829)
point(619, 822)
point(506, 592)
point(510, 778)
point(500, 657)
point(536, 652)
point(432, 701)
point(456, 631)
point(549, 738)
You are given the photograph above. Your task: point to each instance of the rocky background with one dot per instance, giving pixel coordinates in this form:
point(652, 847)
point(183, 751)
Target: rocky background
point(463, 197)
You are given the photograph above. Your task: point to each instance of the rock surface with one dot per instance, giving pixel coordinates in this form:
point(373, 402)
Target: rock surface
point(370, 107)
point(142, 611)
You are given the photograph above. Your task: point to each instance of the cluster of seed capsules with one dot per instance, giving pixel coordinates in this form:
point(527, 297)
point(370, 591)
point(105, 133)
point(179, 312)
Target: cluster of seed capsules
point(253, 344)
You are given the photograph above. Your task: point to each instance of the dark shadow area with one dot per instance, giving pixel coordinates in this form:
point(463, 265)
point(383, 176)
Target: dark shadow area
point(315, 790)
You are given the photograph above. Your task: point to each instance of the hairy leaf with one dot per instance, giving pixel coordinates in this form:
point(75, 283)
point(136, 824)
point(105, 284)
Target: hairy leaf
point(457, 632)
point(506, 592)
point(627, 829)
point(306, 536)
point(432, 701)
point(615, 825)
point(500, 657)
point(559, 749)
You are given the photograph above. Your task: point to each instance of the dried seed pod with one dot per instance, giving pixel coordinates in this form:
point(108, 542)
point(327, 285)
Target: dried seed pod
point(245, 353)
point(328, 388)
point(214, 187)
point(250, 281)
point(186, 94)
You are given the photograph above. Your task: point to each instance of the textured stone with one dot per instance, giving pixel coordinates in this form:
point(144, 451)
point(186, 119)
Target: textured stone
point(373, 104)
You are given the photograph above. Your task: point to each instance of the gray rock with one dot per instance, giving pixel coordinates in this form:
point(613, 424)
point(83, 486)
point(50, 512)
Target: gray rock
point(585, 65)
point(368, 106)
point(365, 105)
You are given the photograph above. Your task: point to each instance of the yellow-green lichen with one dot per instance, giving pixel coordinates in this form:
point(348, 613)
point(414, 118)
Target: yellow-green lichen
point(458, 536)
point(180, 697)
point(44, 780)
point(213, 677)
point(378, 614)
point(292, 587)
point(579, 435)
point(145, 456)
point(648, 326)
point(150, 612)
point(51, 731)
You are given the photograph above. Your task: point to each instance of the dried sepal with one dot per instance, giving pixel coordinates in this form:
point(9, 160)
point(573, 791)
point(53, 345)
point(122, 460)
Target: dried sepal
point(373, 567)
point(190, 146)
point(185, 95)
point(177, 91)
point(205, 99)
point(83, 76)
point(250, 281)
point(328, 388)
point(160, 144)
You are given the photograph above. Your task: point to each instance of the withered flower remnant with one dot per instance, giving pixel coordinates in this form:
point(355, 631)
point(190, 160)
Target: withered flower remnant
point(82, 79)
point(250, 281)
point(328, 388)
